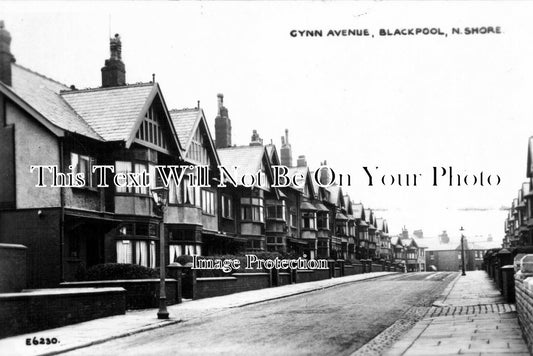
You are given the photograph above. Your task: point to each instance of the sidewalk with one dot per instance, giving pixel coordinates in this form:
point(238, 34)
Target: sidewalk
point(92, 332)
point(472, 318)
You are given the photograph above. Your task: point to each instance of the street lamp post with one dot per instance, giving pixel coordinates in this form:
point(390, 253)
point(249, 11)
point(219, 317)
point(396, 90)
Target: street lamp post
point(160, 196)
point(405, 256)
point(462, 252)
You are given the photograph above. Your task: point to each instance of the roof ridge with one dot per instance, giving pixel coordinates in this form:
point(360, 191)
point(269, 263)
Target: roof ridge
point(39, 74)
point(240, 146)
point(184, 109)
point(88, 90)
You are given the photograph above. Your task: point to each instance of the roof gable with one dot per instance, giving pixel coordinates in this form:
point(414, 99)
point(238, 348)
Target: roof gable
point(248, 160)
point(308, 188)
point(336, 196)
point(273, 154)
point(194, 136)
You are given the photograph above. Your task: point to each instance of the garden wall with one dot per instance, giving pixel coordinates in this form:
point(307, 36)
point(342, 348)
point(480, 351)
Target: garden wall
point(140, 293)
point(42, 309)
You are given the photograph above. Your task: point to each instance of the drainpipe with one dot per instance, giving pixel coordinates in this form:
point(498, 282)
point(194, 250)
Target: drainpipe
point(62, 215)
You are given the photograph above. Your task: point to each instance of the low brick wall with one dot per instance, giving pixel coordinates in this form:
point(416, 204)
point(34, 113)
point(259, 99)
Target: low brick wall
point(42, 309)
point(140, 293)
point(238, 282)
point(349, 270)
point(377, 267)
point(524, 308)
point(303, 276)
point(13, 264)
point(284, 278)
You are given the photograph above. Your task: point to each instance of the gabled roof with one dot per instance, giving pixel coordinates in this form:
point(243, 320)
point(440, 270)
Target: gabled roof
point(112, 112)
point(273, 154)
point(308, 180)
point(358, 211)
point(335, 196)
point(348, 206)
point(42, 95)
point(410, 242)
point(396, 241)
point(380, 224)
point(369, 216)
point(186, 122)
point(246, 158)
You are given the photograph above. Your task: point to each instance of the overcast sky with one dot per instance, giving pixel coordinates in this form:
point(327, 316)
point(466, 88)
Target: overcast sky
point(404, 104)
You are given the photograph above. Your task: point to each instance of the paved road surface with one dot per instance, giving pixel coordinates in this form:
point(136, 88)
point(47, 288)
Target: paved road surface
point(334, 321)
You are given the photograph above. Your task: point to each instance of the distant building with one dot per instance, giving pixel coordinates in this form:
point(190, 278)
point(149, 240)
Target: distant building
point(447, 257)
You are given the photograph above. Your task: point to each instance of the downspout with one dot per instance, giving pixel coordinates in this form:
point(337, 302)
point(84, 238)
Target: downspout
point(62, 215)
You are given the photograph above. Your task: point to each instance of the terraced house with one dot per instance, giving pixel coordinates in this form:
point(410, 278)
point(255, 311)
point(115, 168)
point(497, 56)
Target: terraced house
point(128, 128)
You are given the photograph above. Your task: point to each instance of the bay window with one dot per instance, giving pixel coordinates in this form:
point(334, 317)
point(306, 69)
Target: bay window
point(208, 202)
point(252, 209)
point(276, 209)
point(182, 194)
point(308, 220)
point(323, 220)
point(227, 207)
point(138, 244)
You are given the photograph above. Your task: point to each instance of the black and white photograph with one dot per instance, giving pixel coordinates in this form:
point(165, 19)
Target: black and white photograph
point(266, 178)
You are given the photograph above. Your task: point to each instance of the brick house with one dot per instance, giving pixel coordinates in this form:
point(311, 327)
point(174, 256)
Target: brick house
point(447, 257)
point(45, 122)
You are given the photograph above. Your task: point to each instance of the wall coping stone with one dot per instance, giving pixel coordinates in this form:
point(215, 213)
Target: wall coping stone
point(219, 279)
point(112, 281)
point(251, 274)
point(28, 293)
point(14, 246)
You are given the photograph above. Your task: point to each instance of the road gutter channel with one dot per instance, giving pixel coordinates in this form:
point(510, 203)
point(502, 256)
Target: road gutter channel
point(173, 322)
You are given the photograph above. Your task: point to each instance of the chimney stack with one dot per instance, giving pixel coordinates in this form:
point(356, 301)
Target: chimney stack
point(114, 71)
point(256, 140)
point(301, 162)
point(222, 125)
point(6, 58)
point(286, 150)
point(324, 173)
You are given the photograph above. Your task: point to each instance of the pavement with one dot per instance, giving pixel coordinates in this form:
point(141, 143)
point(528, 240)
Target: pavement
point(76, 336)
point(471, 318)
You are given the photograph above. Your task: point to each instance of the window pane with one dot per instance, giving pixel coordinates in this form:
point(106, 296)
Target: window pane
point(123, 167)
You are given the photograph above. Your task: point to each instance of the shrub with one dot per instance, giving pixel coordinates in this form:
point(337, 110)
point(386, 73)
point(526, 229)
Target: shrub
point(184, 259)
point(112, 271)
